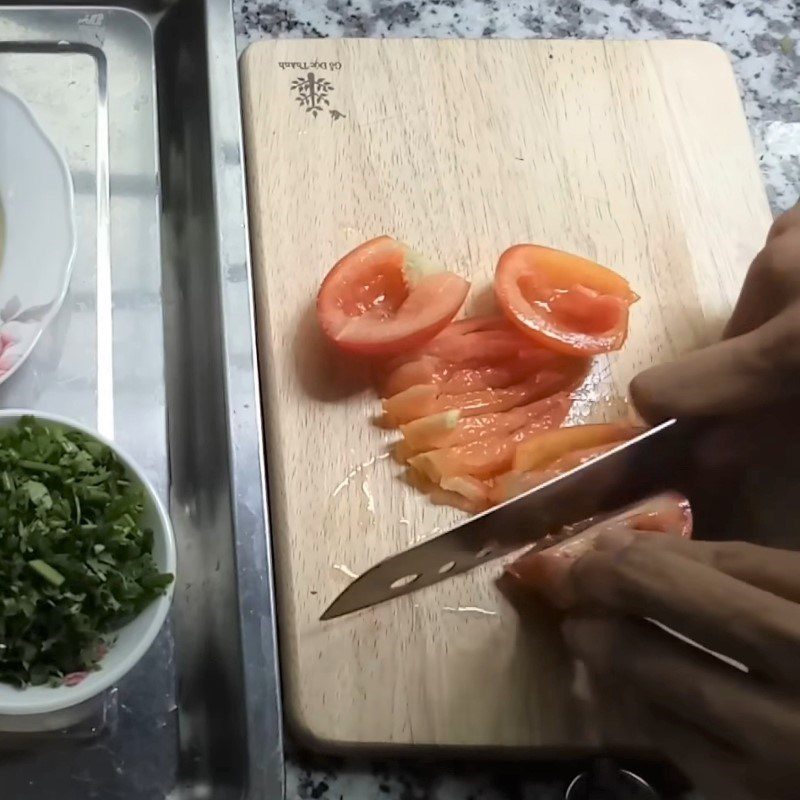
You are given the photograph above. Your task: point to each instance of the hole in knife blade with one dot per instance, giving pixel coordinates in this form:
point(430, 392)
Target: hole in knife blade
point(446, 567)
point(484, 552)
point(404, 581)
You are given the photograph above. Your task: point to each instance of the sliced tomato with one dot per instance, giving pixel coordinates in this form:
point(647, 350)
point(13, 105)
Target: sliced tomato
point(431, 432)
point(491, 322)
point(516, 482)
point(443, 497)
point(412, 403)
point(512, 483)
point(563, 376)
point(491, 456)
point(382, 298)
point(665, 513)
point(462, 363)
point(471, 488)
point(448, 429)
point(496, 376)
point(543, 451)
point(425, 369)
point(563, 301)
point(479, 347)
point(668, 513)
point(577, 457)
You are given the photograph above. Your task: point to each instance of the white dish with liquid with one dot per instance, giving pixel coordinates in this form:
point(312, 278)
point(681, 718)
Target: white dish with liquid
point(37, 232)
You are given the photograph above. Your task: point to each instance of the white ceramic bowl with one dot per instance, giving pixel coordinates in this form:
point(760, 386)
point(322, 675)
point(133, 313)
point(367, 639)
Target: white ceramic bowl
point(132, 641)
point(37, 232)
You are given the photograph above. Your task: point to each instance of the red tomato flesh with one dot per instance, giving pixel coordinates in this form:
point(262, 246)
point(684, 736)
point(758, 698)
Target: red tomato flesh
point(447, 429)
point(563, 301)
point(461, 359)
point(668, 513)
point(381, 299)
point(490, 456)
point(422, 400)
point(547, 450)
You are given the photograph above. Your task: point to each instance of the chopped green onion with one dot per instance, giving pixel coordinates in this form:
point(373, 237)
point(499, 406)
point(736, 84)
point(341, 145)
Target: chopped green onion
point(75, 561)
point(46, 571)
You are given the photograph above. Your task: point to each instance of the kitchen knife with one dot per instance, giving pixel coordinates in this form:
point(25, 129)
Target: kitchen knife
point(650, 462)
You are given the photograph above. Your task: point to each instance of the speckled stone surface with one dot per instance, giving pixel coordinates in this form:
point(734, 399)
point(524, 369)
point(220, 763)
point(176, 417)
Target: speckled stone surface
point(763, 40)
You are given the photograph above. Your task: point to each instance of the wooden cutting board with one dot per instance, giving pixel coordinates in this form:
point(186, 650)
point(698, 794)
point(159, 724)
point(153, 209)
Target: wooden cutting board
point(634, 154)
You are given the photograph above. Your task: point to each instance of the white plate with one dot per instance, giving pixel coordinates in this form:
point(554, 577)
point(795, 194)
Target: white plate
point(37, 232)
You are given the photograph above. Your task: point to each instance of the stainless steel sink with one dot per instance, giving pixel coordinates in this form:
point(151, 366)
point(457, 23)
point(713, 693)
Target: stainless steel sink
point(154, 346)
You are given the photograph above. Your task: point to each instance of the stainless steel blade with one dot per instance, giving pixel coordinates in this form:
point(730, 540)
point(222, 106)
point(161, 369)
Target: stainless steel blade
point(648, 463)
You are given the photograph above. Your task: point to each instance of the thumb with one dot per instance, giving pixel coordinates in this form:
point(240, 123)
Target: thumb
point(741, 374)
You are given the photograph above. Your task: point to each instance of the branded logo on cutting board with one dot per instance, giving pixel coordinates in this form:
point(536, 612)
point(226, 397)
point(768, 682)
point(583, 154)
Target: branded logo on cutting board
point(311, 91)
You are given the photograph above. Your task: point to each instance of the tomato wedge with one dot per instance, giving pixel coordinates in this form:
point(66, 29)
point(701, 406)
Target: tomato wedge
point(544, 450)
point(424, 399)
point(447, 429)
point(668, 513)
point(563, 301)
point(512, 483)
point(463, 362)
point(489, 456)
point(426, 369)
point(383, 299)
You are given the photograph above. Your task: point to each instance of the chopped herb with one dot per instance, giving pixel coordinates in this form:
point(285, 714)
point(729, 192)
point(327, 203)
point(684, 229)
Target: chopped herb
point(47, 572)
point(75, 562)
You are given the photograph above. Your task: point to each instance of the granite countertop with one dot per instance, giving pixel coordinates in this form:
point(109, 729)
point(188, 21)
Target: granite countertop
point(763, 40)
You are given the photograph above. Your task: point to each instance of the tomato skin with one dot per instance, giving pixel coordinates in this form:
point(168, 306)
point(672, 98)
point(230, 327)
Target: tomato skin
point(380, 299)
point(563, 301)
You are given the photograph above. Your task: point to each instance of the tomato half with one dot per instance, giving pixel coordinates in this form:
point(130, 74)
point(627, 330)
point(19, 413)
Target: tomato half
point(383, 299)
point(563, 301)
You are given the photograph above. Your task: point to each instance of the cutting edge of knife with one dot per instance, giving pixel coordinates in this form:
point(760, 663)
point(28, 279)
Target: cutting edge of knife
point(331, 611)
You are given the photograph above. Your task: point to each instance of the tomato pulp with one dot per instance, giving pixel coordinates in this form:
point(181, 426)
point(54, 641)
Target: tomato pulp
point(384, 299)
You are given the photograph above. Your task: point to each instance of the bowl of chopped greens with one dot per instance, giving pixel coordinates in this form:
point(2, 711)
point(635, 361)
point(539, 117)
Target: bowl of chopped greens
point(87, 564)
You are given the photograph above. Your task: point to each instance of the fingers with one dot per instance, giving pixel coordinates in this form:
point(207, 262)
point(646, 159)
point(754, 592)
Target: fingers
point(730, 708)
point(738, 375)
point(773, 280)
point(786, 222)
point(758, 361)
point(745, 623)
point(774, 571)
point(737, 442)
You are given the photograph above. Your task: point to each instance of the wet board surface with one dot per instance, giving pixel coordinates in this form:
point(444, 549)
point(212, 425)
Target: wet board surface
point(634, 154)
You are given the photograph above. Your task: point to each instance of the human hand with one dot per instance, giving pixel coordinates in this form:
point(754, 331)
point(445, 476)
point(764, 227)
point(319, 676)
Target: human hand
point(735, 734)
point(748, 385)
point(757, 363)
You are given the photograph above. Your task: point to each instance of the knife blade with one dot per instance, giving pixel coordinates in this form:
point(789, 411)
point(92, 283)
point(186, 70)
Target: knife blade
point(650, 462)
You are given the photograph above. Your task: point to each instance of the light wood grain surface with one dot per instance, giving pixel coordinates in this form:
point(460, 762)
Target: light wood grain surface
point(634, 154)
